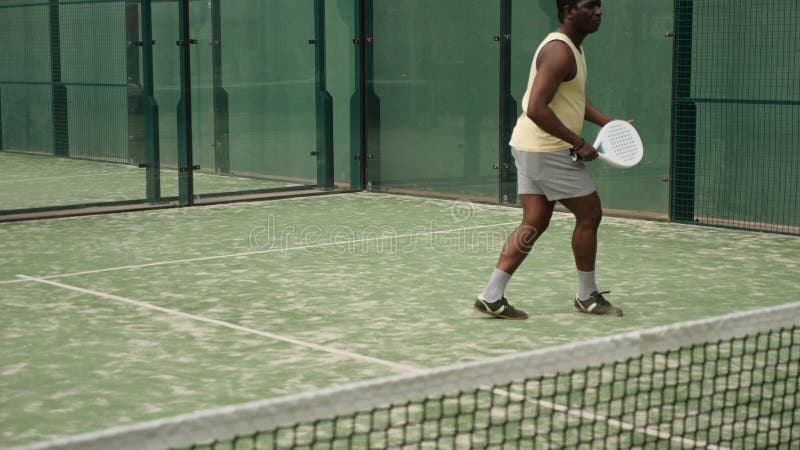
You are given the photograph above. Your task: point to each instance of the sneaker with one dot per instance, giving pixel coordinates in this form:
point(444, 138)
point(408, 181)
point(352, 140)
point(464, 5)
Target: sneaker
point(596, 304)
point(499, 308)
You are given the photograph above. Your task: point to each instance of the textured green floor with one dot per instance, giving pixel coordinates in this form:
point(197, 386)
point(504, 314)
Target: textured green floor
point(354, 276)
point(32, 181)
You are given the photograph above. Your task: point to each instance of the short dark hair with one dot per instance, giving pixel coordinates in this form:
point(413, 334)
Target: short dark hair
point(561, 4)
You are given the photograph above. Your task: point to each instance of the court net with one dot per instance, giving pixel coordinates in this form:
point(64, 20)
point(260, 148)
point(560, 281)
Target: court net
point(722, 383)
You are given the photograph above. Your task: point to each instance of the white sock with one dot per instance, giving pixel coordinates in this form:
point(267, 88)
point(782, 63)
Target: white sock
point(587, 285)
point(497, 286)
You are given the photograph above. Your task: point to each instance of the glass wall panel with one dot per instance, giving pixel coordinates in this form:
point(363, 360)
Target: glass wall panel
point(253, 95)
point(64, 99)
point(436, 78)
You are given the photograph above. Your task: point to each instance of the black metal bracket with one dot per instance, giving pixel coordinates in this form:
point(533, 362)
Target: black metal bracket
point(190, 41)
point(186, 169)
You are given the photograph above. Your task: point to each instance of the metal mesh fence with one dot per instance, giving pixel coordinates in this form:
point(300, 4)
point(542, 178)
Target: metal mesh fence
point(736, 109)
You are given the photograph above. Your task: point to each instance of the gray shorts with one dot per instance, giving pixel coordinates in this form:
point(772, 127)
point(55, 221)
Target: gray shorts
point(552, 174)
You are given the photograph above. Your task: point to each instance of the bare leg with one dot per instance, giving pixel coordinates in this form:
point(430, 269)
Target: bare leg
point(588, 214)
point(536, 214)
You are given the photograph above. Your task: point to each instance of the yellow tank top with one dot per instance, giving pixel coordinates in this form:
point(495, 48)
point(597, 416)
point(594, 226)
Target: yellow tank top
point(569, 105)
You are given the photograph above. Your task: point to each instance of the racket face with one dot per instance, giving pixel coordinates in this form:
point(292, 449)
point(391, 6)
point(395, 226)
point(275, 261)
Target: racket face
point(619, 144)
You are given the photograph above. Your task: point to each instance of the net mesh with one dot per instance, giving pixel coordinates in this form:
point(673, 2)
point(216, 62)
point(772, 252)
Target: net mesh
point(729, 382)
point(739, 393)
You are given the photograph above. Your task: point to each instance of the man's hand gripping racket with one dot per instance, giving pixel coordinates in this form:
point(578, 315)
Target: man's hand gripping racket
point(618, 144)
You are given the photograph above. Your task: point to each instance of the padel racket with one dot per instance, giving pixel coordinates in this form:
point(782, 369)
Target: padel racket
point(618, 144)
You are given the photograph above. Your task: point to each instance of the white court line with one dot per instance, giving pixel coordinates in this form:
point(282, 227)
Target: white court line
point(222, 323)
point(404, 368)
point(584, 414)
point(261, 252)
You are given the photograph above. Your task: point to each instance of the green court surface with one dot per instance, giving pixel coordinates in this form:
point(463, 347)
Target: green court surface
point(34, 181)
point(128, 317)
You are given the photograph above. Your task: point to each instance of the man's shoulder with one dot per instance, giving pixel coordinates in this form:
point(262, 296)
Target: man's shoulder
point(556, 43)
point(555, 49)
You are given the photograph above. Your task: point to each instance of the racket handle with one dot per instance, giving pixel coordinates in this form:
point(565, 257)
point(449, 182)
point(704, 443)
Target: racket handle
point(573, 152)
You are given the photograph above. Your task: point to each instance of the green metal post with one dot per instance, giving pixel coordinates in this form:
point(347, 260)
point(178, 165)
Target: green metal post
point(371, 107)
point(357, 126)
point(1, 118)
point(684, 118)
point(222, 140)
point(136, 145)
point(324, 103)
point(508, 109)
point(151, 135)
point(59, 90)
point(185, 160)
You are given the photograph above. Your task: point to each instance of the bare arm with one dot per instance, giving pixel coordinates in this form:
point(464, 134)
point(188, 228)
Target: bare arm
point(556, 64)
point(595, 116)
